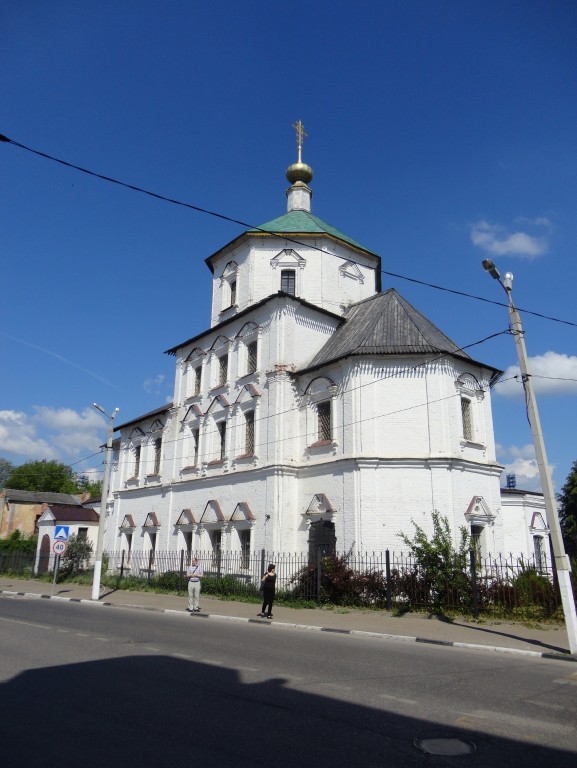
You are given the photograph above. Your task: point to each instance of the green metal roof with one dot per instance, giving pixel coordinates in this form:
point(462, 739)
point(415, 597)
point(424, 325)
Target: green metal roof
point(304, 223)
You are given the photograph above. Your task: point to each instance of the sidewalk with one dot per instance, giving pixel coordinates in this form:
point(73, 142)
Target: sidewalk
point(490, 635)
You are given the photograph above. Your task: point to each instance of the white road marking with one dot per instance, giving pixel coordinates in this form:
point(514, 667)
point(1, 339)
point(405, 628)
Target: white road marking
point(545, 704)
point(26, 624)
point(528, 723)
point(565, 682)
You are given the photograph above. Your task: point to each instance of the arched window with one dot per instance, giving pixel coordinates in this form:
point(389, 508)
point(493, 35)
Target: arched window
point(471, 394)
point(321, 394)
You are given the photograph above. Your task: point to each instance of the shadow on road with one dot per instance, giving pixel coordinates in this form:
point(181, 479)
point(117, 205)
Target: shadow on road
point(156, 711)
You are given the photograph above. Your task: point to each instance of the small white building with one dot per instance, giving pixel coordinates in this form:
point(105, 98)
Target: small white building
point(316, 409)
point(81, 522)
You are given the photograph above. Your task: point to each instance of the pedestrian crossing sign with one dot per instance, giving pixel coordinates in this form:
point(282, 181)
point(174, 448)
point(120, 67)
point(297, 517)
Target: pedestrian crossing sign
point(61, 532)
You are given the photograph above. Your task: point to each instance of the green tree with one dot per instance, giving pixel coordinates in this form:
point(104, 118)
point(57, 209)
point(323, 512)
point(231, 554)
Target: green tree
point(6, 467)
point(16, 542)
point(47, 476)
point(441, 566)
point(77, 556)
point(568, 511)
point(86, 486)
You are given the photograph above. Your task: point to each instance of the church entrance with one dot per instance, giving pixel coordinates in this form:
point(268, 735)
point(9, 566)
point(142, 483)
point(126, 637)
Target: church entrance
point(322, 539)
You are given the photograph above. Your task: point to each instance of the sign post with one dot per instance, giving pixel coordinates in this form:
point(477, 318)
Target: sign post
point(59, 547)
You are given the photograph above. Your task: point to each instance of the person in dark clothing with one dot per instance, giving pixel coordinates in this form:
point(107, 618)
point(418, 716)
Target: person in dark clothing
point(268, 588)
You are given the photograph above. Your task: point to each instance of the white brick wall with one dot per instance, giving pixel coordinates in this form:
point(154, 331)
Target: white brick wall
point(397, 452)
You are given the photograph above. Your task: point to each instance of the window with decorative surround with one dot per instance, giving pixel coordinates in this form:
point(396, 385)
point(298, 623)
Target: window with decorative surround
point(195, 441)
point(471, 395)
point(229, 286)
point(221, 427)
point(324, 421)
point(288, 281)
point(222, 370)
point(288, 262)
point(197, 379)
point(249, 432)
point(320, 427)
point(157, 446)
point(251, 357)
point(467, 418)
point(244, 536)
point(137, 452)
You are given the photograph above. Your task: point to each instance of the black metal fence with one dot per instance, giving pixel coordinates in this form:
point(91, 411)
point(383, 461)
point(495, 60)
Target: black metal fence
point(498, 585)
point(388, 580)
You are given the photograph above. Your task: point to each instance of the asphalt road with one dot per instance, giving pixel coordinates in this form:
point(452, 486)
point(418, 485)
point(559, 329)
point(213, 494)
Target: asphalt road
point(86, 685)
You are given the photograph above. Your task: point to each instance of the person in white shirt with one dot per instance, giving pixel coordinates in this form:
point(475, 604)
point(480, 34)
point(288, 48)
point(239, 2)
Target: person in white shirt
point(194, 573)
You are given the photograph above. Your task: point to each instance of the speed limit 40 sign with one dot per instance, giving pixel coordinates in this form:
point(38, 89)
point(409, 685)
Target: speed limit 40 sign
point(59, 547)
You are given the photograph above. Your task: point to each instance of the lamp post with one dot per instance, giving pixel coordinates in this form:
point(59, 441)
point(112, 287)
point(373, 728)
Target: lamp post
point(562, 563)
point(103, 498)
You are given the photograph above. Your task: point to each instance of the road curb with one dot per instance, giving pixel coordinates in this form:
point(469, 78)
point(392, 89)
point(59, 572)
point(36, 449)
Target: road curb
point(332, 630)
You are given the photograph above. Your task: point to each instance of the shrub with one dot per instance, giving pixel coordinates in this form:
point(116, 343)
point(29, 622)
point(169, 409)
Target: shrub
point(171, 581)
point(77, 556)
point(340, 584)
point(440, 569)
point(16, 542)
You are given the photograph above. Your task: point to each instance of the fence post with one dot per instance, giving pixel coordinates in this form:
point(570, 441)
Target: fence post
point(318, 590)
point(122, 565)
point(262, 565)
point(218, 563)
point(389, 585)
point(474, 583)
point(150, 561)
point(181, 570)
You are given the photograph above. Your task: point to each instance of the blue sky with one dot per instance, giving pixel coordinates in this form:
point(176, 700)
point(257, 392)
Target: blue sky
point(440, 133)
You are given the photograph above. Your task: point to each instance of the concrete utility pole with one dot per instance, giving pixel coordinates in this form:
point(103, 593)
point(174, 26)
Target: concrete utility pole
point(562, 562)
point(103, 498)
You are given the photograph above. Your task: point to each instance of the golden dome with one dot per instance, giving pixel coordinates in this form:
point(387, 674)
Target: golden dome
point(299, 172)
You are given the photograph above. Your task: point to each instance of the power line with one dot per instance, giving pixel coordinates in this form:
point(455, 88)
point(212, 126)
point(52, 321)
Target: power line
point(223, 217)
point(209, 433)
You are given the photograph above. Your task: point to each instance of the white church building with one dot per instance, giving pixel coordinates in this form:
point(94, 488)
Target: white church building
point(317, 409)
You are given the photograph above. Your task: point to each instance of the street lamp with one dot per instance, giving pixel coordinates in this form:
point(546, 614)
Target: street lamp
point(562, 563)
point(103, 498)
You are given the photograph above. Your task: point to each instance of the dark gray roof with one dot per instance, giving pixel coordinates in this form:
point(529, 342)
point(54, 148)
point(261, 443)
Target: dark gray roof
point(385, 324)
point(71, 514)
point(41, 497)
point(149, 415)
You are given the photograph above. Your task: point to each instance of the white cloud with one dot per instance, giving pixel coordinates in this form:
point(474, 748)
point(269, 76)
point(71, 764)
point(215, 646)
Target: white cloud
point(521, 461)
point(51, 433)
point(551, 374)
point(18, 436)
point(497, 241)
point(153, 384)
